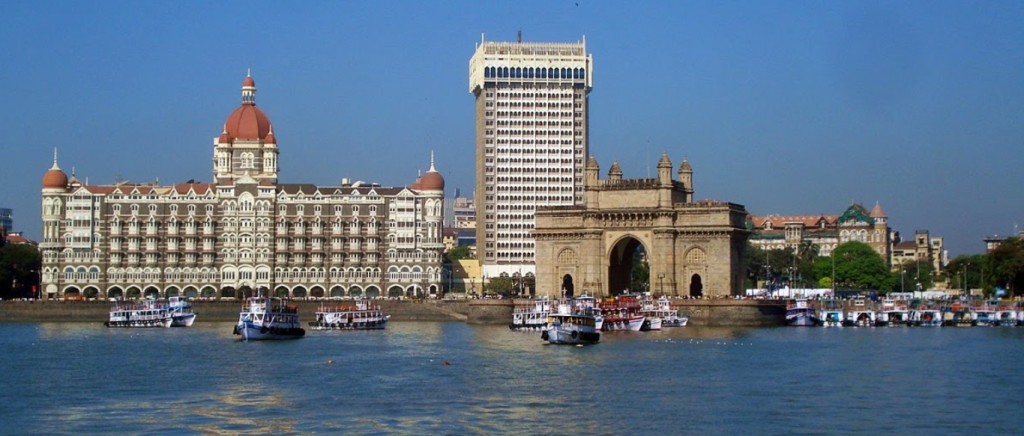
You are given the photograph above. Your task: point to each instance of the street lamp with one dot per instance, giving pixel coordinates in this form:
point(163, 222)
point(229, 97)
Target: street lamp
point(661, 283)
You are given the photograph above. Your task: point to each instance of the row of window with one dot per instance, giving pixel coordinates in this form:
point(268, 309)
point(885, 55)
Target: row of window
point(534, 73)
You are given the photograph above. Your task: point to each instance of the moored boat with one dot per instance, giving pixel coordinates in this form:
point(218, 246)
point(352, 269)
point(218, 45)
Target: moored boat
point(831, 314)
point(531, 317)
point(893, 313)
point(146, 313)
point(800, 313)
point(363, 315)
point(925, 316)
point(182, 314)
point(621, 313)
point(985, 315)
point(567, 327)
point(659, 314)
point(268, 318)
point(959, 314)
point(587, 305)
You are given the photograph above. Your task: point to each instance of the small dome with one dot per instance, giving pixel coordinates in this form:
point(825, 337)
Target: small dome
point(615, 169)
point(432, 180)
point(664, 161)
point(592, 162)
point(270, 139)
point(417, 184)
point(685, 166)
point(55, 178)
point(248, 82)
point(877, 212)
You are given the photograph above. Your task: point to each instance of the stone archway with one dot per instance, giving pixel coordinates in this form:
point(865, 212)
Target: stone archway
point(208, 292)
point(281, 292)
point(317, 292)
point(91, 292)
point(172, 291)
point(372, 292)
point(245, 291)
point(696, 286)
point(355, 291)
point(133, 293)
point(115, 293)
point(227, 292)
point(337, 292)
point(624, 256)
point(152, 293)
point(395, 291)
point(299, 292)
point(619, 215)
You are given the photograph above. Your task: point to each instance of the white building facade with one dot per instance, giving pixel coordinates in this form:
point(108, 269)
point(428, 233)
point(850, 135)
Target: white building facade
point(532, 107)
point(242, 233)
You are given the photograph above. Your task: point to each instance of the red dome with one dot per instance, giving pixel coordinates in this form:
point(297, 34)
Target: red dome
point(55, 178)
point(248, 122)
point(270, 139)
point(417, 185)
point(432, 181)
point(248, 82)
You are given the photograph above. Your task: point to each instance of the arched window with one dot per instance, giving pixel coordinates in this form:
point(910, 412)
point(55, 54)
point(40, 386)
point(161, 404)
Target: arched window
point(696, 255)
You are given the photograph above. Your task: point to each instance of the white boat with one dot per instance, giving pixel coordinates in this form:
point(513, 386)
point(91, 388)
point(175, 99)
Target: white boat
point(621, 313)
point(925, 316)
point(893, 313)
point(567, 327)
point(146, 313)
point(860, 318)
point(831, 313)
point(531, 317)
point(800, 313)
point(182, 314)
point(985, 315)
point(1006, 316)
point(661, 315)
point(268, 318)
point(363, 315)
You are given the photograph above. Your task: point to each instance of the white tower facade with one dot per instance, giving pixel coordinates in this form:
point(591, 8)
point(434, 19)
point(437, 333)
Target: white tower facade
point(532, 130)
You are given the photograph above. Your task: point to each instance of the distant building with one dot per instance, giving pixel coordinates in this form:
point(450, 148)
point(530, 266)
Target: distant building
point(6, 219)
point(992, 243)
point(17, 238)
point(532, 112)
point(856, 223)
point(244, 232)
point(923, 247)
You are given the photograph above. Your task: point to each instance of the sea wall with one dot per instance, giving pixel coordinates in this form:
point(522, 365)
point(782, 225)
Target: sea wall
point(490, 312)
point(733, 313)
point(224, 311)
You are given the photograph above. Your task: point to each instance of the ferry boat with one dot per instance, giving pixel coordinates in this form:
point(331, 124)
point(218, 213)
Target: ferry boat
point(831, 314)
point(1006, 315)
point(893, 313)
point(860, 315)
point(669, 316)
point(587, 305)
point(182, 314)
point(958, 315)
point(621, 313)
point(268, 318)
point(985, 315)
point(567, 327)
point(925, 316)
point(800, 313)
point(363, 315)
point(146, 313)
point(531, 317)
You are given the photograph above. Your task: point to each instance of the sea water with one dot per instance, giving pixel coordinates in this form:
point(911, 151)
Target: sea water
point(450, 378)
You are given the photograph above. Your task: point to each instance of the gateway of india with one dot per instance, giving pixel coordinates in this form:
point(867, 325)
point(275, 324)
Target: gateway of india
point(692, 248)
point(244, 232)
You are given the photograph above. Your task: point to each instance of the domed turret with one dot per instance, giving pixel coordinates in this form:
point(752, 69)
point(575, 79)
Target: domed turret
point(55, 179)
point(248, 121)
point(614, 172)
point(432, 180)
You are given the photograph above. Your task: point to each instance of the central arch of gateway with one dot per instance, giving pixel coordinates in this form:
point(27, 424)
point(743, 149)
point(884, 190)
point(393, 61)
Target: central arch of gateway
point(692, 248)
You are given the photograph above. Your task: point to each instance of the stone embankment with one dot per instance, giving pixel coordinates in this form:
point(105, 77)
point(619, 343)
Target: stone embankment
point(713, 312)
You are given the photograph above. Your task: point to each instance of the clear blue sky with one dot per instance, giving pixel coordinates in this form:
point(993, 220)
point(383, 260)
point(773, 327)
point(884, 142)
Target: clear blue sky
point(785, 107)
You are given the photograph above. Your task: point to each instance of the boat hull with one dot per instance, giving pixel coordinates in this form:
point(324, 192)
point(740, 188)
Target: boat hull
point(162, 323)
point(802, 320)
point(253, 332)
point(651, 323)
point(562, 336)
point(183, 320)
point(379, 324)
point(623, 324)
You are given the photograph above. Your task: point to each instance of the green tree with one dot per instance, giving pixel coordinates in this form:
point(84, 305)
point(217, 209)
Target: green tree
point(917, 275)
point(857, 266)
point(756, 259)
point(964, 271)
point(19, 270)
point(500, 285)
point(458, 253)
point(639, 276)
